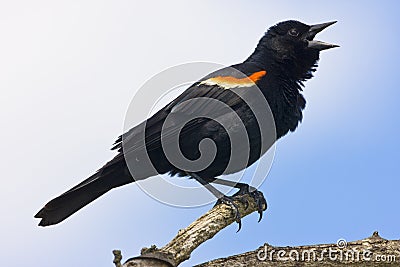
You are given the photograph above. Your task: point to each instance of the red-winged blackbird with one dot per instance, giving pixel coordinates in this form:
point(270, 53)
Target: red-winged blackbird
point(284, 58)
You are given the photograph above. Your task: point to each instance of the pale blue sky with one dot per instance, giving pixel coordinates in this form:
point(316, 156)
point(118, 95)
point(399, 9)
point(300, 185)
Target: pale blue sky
point(69, 69)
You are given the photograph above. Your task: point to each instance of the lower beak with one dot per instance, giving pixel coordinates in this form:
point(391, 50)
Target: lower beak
point(314, 44)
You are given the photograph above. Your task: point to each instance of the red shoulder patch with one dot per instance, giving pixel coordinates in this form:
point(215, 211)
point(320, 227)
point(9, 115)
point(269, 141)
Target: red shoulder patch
point(228, 82)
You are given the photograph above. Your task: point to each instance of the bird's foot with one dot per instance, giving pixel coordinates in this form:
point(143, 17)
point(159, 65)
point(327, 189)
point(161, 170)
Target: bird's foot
point(258, 197)
point(242, 196)
point(227, 200)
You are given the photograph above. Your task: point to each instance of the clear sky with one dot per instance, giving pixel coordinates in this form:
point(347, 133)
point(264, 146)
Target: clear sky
point(68, 70)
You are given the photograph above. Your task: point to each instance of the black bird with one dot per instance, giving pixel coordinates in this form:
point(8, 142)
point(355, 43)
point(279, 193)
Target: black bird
point(284, 58)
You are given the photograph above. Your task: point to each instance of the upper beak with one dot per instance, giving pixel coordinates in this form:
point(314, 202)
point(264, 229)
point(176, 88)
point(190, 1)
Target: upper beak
point(314, 44)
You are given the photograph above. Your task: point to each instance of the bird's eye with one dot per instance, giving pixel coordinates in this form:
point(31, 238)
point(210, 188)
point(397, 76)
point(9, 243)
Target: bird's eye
point(293, 32)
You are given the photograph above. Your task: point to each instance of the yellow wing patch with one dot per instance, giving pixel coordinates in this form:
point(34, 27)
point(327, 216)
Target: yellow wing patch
point(229, 82)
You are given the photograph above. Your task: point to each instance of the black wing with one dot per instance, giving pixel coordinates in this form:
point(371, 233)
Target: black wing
point(183, 107)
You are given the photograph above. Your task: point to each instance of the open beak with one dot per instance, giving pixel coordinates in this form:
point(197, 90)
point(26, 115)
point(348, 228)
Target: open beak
point(314, 44)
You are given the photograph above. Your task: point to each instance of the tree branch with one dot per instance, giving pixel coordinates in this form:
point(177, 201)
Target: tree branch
point(188, 239)
point(371, 251)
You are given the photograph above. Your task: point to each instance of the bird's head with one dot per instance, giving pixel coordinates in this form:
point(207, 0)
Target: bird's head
point(292, 44)
point(292, 36)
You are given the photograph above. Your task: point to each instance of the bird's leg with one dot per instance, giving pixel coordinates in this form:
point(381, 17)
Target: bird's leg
point(245, 189)
point(222, 199)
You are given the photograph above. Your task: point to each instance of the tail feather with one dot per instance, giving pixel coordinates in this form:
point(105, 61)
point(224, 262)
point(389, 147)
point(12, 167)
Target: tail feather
point(79, 196)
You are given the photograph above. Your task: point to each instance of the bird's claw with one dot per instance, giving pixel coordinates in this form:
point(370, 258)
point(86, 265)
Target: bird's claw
point(256, 195)
point(260, 202)
point(230, 202)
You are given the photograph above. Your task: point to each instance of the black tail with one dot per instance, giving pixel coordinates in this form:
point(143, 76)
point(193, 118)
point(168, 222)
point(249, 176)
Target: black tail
point(79, 196)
